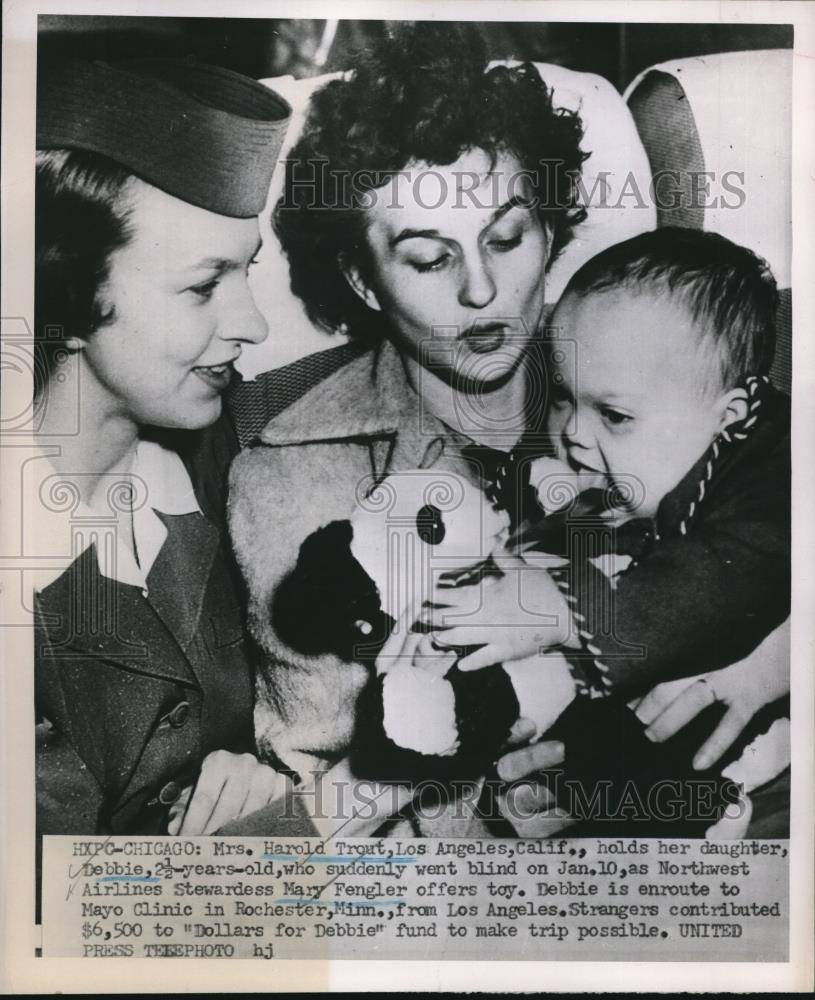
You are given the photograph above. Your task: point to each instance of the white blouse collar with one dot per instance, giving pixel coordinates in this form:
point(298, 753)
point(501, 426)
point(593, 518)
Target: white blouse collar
point(61, 526)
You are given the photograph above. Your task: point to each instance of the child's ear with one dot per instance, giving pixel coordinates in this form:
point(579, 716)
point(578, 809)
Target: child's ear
point(734, 407)
point(354, 278)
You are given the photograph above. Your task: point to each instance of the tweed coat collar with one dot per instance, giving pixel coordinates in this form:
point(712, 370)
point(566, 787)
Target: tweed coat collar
point(368, 397)
point(370, 400)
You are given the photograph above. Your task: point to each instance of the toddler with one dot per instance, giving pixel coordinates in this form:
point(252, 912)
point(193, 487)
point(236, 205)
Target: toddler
point(660, 396)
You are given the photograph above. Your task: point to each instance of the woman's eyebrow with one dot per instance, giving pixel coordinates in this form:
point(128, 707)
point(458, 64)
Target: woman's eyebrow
point(222, 264)
point(210, 264)
point(516, 201)
point(411, 234)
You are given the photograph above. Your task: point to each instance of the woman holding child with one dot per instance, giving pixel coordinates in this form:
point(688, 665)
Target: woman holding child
point(437, 262)
point(392, 272)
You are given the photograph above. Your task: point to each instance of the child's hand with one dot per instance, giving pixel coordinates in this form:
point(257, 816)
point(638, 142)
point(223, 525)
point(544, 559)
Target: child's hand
point(230, 786)
point(509, 617)
point(404, 646)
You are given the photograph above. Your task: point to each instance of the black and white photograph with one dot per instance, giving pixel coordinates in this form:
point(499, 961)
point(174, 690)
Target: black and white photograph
point(400, 546)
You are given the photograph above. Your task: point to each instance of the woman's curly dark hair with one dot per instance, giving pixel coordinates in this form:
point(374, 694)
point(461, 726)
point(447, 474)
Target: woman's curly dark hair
point(422, 95)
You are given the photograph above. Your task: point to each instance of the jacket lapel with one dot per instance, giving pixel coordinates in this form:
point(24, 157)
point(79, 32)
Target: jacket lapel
point(88, 616)
point(178, 580)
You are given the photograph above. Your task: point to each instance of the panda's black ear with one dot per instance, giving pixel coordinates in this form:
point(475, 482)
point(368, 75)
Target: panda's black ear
point(327, 546)
point(328, 603)
point(303, 609)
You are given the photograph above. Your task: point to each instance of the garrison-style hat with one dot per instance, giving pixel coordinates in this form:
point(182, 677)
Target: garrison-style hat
point(201, 133)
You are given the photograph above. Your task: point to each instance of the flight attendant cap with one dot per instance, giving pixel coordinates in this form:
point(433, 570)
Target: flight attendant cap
point(204, 134)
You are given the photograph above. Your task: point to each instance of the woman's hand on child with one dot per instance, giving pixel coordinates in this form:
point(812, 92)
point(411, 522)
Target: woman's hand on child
point(528, 803)
point(230, 786)
point(744, 687)
point(509, 617)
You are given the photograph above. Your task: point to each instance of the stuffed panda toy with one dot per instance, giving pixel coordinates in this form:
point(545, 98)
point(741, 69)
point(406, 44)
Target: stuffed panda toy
point(356, 579)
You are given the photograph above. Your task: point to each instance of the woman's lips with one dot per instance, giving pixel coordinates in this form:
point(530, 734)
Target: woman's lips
point(485, 339)
point(217, 377)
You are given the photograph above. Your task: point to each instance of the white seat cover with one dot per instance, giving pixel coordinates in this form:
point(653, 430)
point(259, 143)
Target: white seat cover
point(729, 94)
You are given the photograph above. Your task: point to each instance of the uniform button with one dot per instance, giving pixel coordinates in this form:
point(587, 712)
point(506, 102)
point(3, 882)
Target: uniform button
point(169, 793)
point(179, 714)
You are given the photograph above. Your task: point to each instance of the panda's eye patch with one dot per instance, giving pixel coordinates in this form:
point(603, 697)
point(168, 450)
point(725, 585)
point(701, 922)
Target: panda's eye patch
point(430, 526)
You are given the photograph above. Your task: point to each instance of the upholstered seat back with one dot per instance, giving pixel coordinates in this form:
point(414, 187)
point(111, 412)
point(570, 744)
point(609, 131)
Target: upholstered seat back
point(714, 168)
